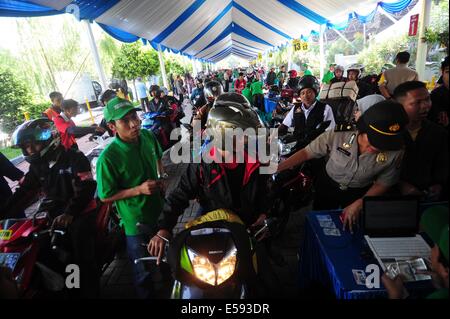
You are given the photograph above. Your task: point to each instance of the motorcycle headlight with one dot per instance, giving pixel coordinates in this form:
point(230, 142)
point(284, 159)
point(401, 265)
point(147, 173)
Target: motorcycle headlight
point(226, 267)
point(213, 274)
point(203, 269)
point(286, 149)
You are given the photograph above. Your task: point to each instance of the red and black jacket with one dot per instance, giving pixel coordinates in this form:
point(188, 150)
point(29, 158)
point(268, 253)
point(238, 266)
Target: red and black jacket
point(208, 183)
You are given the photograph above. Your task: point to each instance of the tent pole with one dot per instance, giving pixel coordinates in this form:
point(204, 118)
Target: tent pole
point(389, 16)
point(364, 34)
point(290, 52)
point(194, 68)
point(424, 21)
point(94, 52)
point(162, 67)
point(343, 37)
point(322, 51)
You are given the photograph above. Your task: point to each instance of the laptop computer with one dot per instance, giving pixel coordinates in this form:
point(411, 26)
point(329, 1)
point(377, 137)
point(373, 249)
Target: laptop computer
point(391, 226)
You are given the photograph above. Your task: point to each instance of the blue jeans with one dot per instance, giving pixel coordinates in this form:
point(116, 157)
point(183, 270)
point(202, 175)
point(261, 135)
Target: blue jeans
point(150, 281)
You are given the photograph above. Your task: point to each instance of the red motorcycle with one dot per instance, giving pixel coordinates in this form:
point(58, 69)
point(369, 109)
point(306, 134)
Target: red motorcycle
point(35, 253)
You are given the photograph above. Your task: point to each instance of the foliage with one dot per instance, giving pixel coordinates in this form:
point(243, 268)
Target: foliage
point(437, 32)
point(15, 98)
point(10, 152)
point(133, 62)
point(109, 49)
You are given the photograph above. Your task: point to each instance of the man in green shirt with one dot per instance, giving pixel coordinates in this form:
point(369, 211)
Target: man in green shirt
point(128, 173)
point(256, 88)
point(306, 71)
point(329, 75)
point(247, 92)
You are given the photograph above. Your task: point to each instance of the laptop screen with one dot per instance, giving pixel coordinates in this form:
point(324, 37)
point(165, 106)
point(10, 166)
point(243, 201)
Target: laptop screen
point(391, 217)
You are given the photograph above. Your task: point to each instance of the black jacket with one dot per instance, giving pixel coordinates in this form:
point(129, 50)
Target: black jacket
point(209, 184)
point(271, 77)
point(425, 162)
point(440, 103)
point(9, 170)
point(68, 182)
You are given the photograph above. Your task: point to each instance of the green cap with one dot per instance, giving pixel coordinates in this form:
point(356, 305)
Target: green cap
point(434, 222)
point(117, 108)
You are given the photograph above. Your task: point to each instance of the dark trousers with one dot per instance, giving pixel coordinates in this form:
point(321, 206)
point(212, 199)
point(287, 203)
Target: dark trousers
point(258, 102)
point(329, 196)
point(145, 104)
point(150, 281)
point(82, 234)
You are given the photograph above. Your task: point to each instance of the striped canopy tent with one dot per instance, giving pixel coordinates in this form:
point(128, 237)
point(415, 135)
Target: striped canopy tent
point(210, 30)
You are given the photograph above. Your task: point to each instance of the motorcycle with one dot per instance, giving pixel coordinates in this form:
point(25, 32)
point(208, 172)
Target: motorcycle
point(36, 254)
point(161, 123)
point(214, 257)
point(280, 112)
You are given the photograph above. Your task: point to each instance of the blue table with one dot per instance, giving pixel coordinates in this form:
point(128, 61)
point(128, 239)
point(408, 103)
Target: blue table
point(329, 260)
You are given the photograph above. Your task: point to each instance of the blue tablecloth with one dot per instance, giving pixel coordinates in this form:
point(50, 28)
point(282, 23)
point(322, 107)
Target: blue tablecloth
point(329, 260)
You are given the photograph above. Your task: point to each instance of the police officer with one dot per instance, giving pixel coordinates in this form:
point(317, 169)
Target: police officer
point(308, 113)
point(364, 162)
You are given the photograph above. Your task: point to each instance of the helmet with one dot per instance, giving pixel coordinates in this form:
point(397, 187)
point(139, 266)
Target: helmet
point(231, 115)
point(356, 67)
point(38, 131)
point(339, 67)
point(292, 73)
point(107, 95)
point(213, 89)
point(250, 71)
point(309, 82)
point(232, 97)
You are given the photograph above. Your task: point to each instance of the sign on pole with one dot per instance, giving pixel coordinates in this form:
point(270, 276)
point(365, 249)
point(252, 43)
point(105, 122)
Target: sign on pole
point(413, 25)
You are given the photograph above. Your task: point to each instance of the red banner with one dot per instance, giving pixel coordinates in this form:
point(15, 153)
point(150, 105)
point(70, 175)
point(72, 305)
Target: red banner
point(413, 25)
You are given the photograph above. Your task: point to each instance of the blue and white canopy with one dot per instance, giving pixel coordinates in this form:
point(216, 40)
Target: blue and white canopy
point(210, 29)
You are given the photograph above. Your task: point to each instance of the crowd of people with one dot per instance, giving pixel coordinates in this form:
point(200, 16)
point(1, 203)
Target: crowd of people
point(399, 146)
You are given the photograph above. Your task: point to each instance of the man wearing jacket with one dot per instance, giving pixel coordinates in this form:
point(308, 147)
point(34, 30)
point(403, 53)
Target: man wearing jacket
point(65, 177)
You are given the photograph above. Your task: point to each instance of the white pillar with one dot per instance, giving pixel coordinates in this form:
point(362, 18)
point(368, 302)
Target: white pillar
point(94, 52)
point(364, 34)
point(424, 21)
point(290, 52)
point(194, 67)
point(322, 51)
point(163, 67)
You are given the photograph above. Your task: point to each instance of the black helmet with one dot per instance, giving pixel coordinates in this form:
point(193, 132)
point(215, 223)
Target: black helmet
point(231, 115)
point(107, 95)
point(154, 88)
point(309, 82)
point(212, 90)
point(232, 97)
point(37, 131)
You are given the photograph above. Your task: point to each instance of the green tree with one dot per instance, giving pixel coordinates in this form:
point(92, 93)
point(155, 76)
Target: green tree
point(132, 62)
point(15, 98)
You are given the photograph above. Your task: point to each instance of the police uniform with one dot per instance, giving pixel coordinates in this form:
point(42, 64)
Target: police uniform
point(348, 175)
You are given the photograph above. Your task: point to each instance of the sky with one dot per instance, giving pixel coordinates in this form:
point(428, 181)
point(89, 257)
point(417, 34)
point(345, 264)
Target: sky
point(10, 37)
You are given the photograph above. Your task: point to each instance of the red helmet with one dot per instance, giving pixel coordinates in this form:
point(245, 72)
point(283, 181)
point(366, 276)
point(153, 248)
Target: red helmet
point(292, 74)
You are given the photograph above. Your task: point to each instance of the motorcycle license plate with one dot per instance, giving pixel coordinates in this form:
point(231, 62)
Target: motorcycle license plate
point(9, 260)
